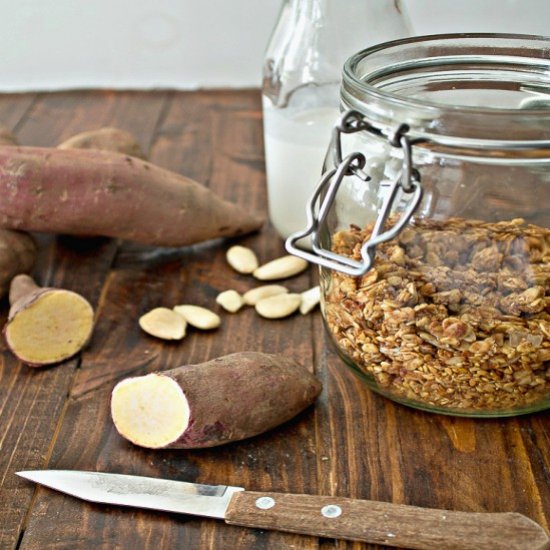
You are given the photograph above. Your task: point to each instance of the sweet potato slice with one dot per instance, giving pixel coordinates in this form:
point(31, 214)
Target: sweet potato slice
point(101, 193)
point(226, 399)
point(46, 325)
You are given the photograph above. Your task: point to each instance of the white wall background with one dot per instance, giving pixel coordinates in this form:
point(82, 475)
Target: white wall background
point(185, 44)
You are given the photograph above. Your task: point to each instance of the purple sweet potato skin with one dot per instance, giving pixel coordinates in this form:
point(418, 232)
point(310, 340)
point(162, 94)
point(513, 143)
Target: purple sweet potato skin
point(101, 193)
point(17, 249)
point(17, 255)
point(241, 395)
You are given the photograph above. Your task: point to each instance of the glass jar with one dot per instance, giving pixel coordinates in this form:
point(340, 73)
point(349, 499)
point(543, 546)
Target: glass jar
point(300, 90)
point(431, 224)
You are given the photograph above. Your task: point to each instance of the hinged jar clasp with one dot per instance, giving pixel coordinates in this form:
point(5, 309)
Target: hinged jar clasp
point(318, 206)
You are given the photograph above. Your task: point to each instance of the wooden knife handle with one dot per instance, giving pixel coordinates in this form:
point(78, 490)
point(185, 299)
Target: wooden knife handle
point(386, 523)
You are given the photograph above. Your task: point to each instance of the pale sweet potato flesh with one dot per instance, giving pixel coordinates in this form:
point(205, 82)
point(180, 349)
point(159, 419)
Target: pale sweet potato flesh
point(51, 328)
point(150, 411)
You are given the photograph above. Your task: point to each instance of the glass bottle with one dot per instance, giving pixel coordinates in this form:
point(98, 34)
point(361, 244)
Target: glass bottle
point(301, 78)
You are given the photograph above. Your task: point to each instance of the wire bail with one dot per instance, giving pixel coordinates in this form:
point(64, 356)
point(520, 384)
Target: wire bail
point(319, 204)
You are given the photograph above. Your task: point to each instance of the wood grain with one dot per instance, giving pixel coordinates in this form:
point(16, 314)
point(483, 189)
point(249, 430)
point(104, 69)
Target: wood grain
point(33, 402)
point(352, 443)
point(395, 525)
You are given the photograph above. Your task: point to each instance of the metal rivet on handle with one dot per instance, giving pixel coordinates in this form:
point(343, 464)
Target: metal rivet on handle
point(265, 503)
point(331, 511)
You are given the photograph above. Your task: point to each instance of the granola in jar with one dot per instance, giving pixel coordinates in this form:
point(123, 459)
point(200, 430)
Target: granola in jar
point(453, 316)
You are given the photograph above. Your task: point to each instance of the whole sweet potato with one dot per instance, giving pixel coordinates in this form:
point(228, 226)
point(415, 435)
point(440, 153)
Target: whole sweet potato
point(101, 193)
point(105, 139)
point(223, 400)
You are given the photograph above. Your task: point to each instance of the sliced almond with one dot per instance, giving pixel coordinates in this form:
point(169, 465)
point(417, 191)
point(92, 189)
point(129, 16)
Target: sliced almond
point(252, 297)
point(230, 300)
point(278, 306)
point(164, 323)
point(281, 268)
point(242, 259)
point(310, 299)
point(199, 317)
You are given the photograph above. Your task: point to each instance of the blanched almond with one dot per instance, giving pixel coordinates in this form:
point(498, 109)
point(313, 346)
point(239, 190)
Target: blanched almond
point(310, 298)
point(281, 268)
point(164, 323)
point(252, 297)
point(276, 307)
point(242, 259)
point(230, 300)
point(198, 317)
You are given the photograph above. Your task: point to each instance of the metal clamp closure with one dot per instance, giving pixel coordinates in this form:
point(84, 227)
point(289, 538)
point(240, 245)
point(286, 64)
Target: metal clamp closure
point(318, 206)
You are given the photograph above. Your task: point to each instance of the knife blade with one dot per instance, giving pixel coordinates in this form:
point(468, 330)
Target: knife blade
point(322, 516)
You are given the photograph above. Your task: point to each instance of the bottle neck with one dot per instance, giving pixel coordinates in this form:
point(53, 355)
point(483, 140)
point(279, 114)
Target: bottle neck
point(313, 38)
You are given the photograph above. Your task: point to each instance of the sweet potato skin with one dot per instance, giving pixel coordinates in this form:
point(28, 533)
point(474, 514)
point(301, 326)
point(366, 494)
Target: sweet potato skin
point(17, 249)
point(17, 255)
point(241, 395)
point(105, 139)
point(100, 193)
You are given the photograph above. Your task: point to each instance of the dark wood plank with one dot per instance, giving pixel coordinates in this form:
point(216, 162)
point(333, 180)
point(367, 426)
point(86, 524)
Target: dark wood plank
point(13, 108)
point(55, 117)
point(375, 449)
point(352, 443)
point(34, 400)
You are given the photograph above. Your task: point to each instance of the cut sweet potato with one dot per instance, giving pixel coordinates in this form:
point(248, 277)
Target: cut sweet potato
point(106, 139)
point(46, 325)
point(17, 255)
point(223, 400)
point(100, 193)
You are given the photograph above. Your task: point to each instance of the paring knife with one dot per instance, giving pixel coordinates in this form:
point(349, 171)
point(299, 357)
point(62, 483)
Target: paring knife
point(322, 516)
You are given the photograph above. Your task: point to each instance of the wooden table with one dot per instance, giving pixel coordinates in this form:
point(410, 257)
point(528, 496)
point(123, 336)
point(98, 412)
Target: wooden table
point(350, 443)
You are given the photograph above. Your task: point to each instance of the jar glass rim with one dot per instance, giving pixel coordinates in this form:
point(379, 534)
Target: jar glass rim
point(372, 76)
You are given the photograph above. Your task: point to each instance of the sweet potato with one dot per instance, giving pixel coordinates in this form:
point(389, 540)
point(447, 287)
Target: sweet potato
point(17, 255)
point(46, 325)
point(106, 139)
point(99, 193)
point(226, 399)
point(17, 249)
